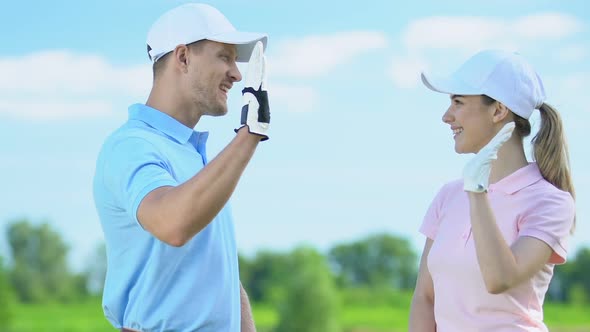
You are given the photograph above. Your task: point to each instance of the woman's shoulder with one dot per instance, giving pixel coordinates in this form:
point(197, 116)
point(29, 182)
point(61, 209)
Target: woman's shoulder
point(449, 189)
point(545, 190)
point(544, 195)
point(453, 186)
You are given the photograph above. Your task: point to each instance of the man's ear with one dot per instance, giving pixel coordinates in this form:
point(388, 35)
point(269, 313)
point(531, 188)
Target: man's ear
point(500, 112)
point(181, 58)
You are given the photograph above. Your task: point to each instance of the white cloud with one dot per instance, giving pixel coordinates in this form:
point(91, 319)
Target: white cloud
point(404, 71)
point(467, 34)
point(51, 84)
point(319, 54)
point(293, 98)
point(303, 58)
point(546, 26)
point(573, 53)
point(569, 85)
point(576, 82)
point(44, 110)
point(567, 91)
point(450, 32)
point(59, 84)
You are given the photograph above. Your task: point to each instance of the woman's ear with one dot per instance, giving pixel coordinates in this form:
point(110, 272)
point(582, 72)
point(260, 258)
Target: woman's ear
point(500, 112)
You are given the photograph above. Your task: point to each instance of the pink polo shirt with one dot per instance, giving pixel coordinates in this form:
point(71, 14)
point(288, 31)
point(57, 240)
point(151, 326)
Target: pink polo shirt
point(524, 204)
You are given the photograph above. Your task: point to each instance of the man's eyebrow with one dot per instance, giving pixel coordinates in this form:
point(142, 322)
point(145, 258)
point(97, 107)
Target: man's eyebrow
point(229, 52)
point(456, 96)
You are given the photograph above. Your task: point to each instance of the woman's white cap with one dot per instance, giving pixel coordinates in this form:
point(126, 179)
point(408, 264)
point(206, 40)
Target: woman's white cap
point(505, 76)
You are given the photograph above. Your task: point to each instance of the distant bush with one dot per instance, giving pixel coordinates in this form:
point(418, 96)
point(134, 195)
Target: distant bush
point(377, 296)
point(311, 301)
point(6, 300)
point(40, 272)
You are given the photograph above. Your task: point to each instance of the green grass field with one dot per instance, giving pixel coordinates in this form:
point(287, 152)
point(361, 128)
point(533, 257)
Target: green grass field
point(87, 317)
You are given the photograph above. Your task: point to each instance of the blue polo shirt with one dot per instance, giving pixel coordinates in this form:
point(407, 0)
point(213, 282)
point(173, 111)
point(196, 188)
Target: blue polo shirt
point(150, 285)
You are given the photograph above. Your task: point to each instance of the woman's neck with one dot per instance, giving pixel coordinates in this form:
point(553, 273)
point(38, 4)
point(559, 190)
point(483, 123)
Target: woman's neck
point(511, 157)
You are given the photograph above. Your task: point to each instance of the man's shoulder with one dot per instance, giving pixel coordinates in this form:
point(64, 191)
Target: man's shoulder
point(128, 132)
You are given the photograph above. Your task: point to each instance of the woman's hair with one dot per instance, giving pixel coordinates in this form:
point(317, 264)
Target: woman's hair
point(549, 146)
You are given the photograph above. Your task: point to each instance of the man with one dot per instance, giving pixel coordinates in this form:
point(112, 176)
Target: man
point(172, 256)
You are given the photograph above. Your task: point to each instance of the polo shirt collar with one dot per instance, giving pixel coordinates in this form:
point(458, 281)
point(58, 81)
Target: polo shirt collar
point(161, 121)
point(518, 180)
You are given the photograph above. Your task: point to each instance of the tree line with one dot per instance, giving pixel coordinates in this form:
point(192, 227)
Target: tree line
point(302, 280)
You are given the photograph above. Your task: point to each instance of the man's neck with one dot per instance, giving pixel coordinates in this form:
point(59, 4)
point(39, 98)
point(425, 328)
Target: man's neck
point(168, 100)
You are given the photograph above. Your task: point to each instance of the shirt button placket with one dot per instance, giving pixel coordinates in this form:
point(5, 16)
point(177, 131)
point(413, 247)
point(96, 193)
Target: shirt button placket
point(465, 236)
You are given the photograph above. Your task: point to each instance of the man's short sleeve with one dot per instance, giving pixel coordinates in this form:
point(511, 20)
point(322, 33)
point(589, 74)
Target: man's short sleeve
point(134, 168)
point(550, 220)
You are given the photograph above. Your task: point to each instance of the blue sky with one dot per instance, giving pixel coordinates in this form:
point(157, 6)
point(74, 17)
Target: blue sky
point(357, 144)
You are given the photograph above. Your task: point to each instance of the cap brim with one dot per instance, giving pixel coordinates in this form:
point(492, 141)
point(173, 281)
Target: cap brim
point(449, 85)
point(244, 42)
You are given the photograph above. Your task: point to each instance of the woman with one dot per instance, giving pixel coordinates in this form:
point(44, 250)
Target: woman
point(494, 236)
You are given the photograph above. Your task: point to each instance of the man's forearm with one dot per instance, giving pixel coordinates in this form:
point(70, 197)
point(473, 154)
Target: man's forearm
point(247, 318)
point(176, 214)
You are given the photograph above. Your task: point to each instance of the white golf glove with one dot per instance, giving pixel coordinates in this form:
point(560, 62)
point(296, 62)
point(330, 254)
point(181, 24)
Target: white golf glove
point(476, 174)
point(255, 109)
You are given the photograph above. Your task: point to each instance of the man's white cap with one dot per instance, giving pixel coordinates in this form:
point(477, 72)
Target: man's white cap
point(192, 22)
point(505, 76)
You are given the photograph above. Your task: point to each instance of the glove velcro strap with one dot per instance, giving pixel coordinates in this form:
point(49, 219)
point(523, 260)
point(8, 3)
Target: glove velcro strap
point(263, 109)
point(264, 137)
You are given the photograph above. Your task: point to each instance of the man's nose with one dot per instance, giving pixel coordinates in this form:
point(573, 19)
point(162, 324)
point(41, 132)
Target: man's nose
point(235, 74)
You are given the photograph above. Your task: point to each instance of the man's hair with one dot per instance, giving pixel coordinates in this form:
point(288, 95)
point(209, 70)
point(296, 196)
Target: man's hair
point(159, 65)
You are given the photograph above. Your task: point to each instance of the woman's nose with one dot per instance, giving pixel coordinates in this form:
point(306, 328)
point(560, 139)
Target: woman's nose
point(447, 116)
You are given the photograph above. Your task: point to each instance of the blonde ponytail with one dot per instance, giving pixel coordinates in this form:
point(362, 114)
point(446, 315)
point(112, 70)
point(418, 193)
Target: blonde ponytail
point(550, 151)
